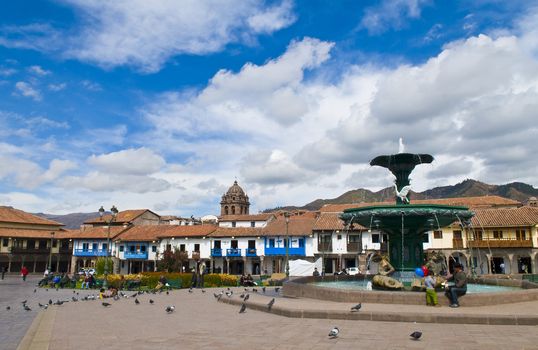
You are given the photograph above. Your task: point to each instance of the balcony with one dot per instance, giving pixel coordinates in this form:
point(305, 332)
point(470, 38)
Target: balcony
point(183, 255)
point(232, 252)
point(457, 243)
point(354, 247)
point(216, 252)
point(135, 255)
point(500, 243)
point(20, 250)
point(251, 252)
point(196, 256)
point(90, 252)
point(324, 246)
point(282, 251)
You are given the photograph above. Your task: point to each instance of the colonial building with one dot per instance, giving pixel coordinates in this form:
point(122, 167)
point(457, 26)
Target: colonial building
point(132, 217)
point(32, 241)
point(234, 201)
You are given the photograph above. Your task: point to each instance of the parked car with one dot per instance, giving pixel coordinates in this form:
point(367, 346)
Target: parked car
point(352, 271)
point(83, 271)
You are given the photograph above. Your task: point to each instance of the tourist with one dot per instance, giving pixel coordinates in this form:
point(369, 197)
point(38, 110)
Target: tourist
point(24, 273)
point(460, 285)
point(242, 280)
point(194, 278)
point(46, 273)
point(162, 282)
point(86, 281)
point(431, 294)
point(201, 273)
point(316, 272)
point(249, 281)
point(4, 270)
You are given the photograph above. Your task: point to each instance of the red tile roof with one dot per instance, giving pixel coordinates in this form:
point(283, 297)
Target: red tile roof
point(471, 202)
point(297, 226)
point(187, 230)
point(124, 216)
point(97, 232)
point(517, 217)
point(237, 232)
point(28, 233)
point(12, 215)
point(331, 221)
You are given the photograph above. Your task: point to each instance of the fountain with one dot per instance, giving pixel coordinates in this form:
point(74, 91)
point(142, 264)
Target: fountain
point(405, 223)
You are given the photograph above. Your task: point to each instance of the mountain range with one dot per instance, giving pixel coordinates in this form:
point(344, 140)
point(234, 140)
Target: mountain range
point(469, 188)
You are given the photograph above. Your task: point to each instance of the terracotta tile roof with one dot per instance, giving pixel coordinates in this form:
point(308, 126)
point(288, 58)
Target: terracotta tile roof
point(27, 233)
point(517, 217)
point(124, 216)
point(97, 232)
point(237, 232)
point(9, 214)
point(253, 217)
point(331, 221)
point(298, 226)
point(186, 230)
point(471, 202)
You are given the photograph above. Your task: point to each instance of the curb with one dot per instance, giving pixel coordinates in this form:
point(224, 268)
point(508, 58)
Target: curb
point(39, 334)
point(483, 319)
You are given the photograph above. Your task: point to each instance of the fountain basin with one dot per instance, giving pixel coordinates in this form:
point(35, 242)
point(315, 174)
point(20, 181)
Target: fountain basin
point(303, 287)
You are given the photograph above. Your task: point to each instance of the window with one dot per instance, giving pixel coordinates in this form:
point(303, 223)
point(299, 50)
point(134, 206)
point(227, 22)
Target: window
point(233, 244)
point(121, 248)
point(324, 238)
point(521, 235)
point(182, 247)
point(354, 238)
point(216, 244)
point(251, 244)
point(339, 237)
point(94, 246)
point(143, 248)
point(285, 243)
point(271, 242)
point(54, 243)
point(301, 242)
point(104, 246)
point(5, 242)
point(233, 224)
point(197, 247)
point(457, 234)
point(42, 244)
point(168, 247)
point(85, 246)
point(426, 238)
point(226, 210)
point(154, 248)
point(233, 209)
point(497, 234)
point(478, 235)
point(65, 244)
point(253, 224)
point(437, 234)
point(375, 237)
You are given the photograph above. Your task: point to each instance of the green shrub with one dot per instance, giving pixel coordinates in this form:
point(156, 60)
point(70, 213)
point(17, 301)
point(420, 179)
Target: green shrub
point(100, 265)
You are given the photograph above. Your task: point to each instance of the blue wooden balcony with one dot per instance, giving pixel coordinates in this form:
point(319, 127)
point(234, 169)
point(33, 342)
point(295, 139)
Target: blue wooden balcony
point(90, 252)
point(216, 252)
point(135, 255)
point(251, 252)
point(282, 251)
point(233, 252)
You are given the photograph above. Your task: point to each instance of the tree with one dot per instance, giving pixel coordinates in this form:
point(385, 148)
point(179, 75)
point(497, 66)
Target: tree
point(171, 260)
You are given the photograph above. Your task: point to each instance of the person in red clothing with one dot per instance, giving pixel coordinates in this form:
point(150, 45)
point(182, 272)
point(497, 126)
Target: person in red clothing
point(24, 273)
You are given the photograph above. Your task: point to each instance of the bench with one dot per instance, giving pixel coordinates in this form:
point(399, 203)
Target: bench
point(174, 283)
point(132, 284)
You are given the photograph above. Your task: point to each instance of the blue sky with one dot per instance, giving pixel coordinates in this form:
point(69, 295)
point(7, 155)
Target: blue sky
point(162, 104)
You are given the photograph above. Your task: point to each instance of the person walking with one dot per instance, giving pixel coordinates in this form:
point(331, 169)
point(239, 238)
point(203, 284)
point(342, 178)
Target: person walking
point(24, 273)
point(4, 270)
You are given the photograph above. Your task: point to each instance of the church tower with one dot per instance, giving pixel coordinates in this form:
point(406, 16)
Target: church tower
point(234, 202)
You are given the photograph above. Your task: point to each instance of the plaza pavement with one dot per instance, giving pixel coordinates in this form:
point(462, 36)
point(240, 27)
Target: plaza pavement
point(200, 322)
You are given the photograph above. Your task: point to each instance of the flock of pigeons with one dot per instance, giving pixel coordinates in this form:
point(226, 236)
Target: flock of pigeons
point(333, 334)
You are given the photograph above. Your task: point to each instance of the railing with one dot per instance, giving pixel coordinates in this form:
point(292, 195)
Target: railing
point(354, 247)
point(20, 250)
point(282, 251)
point(90, 252)
point(233, 252)
point(216, 252)
point(457, 243)
point(196, 255)
point(251, 252)
point(324, 246)
point(500, 243)
point(135, 255)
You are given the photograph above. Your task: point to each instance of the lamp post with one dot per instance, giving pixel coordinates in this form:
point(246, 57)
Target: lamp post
point(114, 212)
point(287, 216)
point(50, 254)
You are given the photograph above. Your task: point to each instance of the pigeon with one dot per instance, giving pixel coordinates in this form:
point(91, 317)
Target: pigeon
point(134, 295)
point(263, 289)
point(220, 296)
point(74, 299)
point(27, 308)
point(356, 307)
point(8, 307)
point(46, 290)
point(56, 288)
point(116, 297)
point(254, 290)
point(59, 302)
point(151, 301)
point(136, 301)
point(24, 302)
point(334, 332)
point(246, 297)
point(229, 294)
point(190, 290)
point(105, 304)
point(277, 289)
point(216, 295)
point(167, 293)
point(243, 308)
point(40, 305)
point(140, 292)
point(203, 290)
point(270, 304)
point(170, 309)
point(50, 301)
point(242, 296)
point(35, 290)
point(416, 335)
point(73, 292)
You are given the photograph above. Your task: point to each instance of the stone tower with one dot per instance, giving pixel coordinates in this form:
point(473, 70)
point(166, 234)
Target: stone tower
point(234, 202)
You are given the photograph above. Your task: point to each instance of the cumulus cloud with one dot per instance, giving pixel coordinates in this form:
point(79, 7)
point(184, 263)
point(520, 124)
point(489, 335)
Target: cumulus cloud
point(27, 174)
point(391, 14)
point(271, 168)
point(57, 87)
point(27, 90)
point(141, 161)
point(38, 70)
point(107, 182)
point(146, 34)
point(91, 85)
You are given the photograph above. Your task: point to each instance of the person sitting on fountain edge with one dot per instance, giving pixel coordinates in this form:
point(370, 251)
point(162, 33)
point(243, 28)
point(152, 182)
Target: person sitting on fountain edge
point(316, 272)
point(460, 285)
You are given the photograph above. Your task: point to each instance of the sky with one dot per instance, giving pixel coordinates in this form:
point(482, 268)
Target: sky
point(162, 104)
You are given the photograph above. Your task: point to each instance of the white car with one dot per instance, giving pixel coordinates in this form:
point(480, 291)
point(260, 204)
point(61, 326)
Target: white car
point(86, 270)
point(352, 271)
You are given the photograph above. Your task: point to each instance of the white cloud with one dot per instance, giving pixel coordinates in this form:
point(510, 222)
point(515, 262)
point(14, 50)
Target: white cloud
point(57, 87)
point(43, 122)
point(141, 161)
point(146, 34)
point(29, 175)
point(391, 14)
point(91, 85)
point(38, 70)
point(114, 182)
point(271, 168)
point(6, 72)
point(27, 90)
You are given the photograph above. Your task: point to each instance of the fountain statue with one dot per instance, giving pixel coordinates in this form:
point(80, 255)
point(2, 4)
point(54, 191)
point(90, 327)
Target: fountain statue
point(405, 223)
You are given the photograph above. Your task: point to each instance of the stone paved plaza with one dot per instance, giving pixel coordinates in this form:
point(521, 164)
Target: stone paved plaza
point(201, 322)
